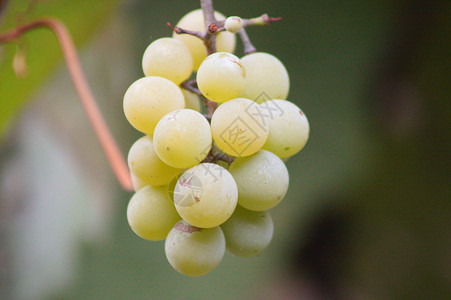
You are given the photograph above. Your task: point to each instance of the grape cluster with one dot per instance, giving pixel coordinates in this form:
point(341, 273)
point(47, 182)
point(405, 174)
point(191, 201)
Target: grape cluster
point(205, 183)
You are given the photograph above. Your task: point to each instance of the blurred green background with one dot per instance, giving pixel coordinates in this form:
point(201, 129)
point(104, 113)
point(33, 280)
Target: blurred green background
point(367, 214)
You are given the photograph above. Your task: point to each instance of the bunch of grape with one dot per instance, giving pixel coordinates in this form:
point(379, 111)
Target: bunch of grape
point(206, 182)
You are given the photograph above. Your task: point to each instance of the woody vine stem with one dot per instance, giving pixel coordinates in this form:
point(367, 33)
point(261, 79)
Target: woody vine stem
point(107, 142)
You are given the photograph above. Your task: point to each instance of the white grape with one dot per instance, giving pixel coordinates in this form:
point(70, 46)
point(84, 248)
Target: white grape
point(149, 99)
point(194, 20)
point(221, 77)
point(151, 213)
point(145, 164)
point(206, 195)
point(239, 127)
point(182, 138)
point(288, 128)
point(266, 78)
point(247, 232)
point(168, 58)
point(137, 183)
point(233, 24)
point(262, 180)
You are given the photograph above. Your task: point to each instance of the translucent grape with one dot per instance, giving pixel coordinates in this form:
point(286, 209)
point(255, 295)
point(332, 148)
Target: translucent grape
point(151, 213)
point(221, 77)
point(266, 78)
point(192, 100)
point(149, 99)
point(233, 24)
point(182, 138)
point(239, 128)
point(194, 251)
point(262, 180)
point(288, 128)
point(168, 58)
point(145, 164)
point(194, 20)
point(247, 232)
point(206, 195)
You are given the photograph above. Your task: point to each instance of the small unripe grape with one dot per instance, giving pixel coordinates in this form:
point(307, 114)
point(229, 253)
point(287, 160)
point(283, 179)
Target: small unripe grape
point(221, 77)
point(233, 24)
point(194, 251)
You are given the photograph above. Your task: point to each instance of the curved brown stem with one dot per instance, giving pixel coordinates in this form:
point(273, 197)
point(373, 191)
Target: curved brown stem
point(106, 139)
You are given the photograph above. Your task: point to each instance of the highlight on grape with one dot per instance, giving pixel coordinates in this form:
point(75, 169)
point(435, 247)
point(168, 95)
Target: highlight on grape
point(205, 182)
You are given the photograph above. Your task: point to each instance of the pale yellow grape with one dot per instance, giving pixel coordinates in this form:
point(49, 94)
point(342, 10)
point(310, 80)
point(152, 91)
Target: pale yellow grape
point(182, 138)
point(266, 78)
point(151, 213)
point(247, 232)
point(149, 99)
point(137, 183)
point(206, 195)
point(239, 128)
point(192, 100)
point(288, 128)
point(262, 180)
point(221, 77)
point(168, 58)
point(194, 251)
point(194, 20)
point(233, 24)
point(145, 164)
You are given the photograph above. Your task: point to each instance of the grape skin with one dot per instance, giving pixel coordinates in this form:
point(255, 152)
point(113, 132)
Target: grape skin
point(148, 100)
point(206, 195)
point(151, 213)
point(221, 77)
point(266, 78)
point(262, 180)
point(168, 58)
point(288, 130)
point(194, 20)
point(193, 251)
point(145, 164)
point(238, 128)
point(247, 232)
point(182, 138)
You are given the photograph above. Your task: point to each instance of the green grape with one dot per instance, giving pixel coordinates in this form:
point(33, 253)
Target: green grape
point(182, 138)
point(192, 100)
point(288, 128)
point(262, 180)
point(168, 58)
point(266, 78)
point(137, 183)
point(239, 128)
point(247, 232)
point(145, 164)
point(194, 251)
point(151, 213)
point(221, 77)
point(206, 195)
point(233, 24)
point(149, 99)
point(194, 20)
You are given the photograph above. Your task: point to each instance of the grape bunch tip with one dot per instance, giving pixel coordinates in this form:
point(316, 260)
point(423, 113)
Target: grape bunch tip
point(206, 183)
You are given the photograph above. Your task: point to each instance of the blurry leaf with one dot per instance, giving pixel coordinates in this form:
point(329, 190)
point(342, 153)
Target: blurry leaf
point(39, 47)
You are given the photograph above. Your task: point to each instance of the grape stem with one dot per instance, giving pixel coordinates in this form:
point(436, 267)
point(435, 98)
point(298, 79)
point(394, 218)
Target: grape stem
point(248, 47)
point(98, 124)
